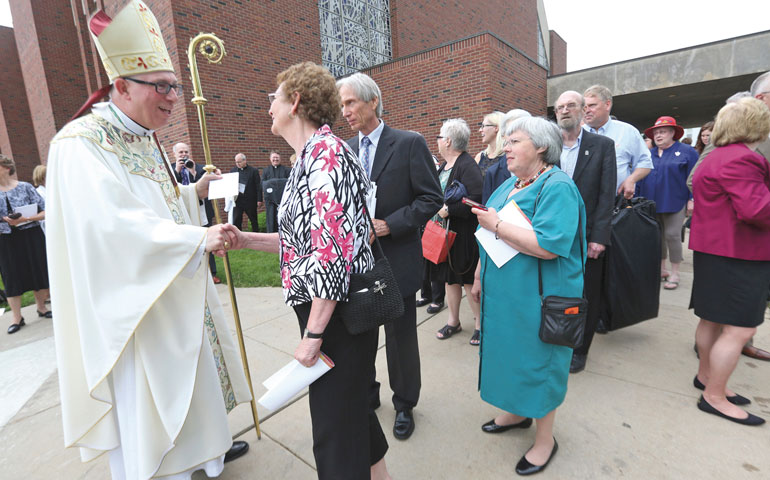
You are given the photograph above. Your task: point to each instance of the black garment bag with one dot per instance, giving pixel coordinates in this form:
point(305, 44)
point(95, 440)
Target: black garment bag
point(632, 270)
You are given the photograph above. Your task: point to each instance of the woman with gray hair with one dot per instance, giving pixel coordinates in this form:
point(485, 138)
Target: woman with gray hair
point(458, 166)
point(519, 373)
point(498, 173)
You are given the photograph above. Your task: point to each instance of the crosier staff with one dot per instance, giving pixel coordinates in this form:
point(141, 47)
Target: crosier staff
point(213, 49)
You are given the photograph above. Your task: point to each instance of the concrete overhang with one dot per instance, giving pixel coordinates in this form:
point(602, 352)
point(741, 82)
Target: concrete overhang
point(690, 84)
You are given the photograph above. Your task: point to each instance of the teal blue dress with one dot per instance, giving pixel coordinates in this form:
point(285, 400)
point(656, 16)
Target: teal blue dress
point(518, 372)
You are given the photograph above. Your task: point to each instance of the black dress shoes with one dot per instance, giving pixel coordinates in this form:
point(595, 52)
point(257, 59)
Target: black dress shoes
point(404, 425)
point(15, 327)
point(492, 427)
point(422, 302)
point(735, 399)
point(47, 314)
point(526, 468)
point(751, 420)
point(578, 363)
point(435, 308)
point(238, 449)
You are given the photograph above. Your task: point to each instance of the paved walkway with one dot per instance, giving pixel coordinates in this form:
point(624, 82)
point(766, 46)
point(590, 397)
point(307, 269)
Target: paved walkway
point(630, 414)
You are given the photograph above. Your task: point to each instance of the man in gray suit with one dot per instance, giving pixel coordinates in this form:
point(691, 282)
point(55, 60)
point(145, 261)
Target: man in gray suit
point(408, 194)
point(760, 89)
point(589, 159)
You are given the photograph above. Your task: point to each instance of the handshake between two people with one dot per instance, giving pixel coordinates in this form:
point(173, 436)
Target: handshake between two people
point(224, 237)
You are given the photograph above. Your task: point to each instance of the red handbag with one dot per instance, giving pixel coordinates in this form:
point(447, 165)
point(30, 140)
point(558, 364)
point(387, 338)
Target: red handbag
point(436, 242)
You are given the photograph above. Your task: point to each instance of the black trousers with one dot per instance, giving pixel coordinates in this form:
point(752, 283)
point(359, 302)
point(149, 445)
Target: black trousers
point(271, 217)
point(432, 289)
point(592, 288)
point(251, 212)
point(347, 437)
point(403, 360)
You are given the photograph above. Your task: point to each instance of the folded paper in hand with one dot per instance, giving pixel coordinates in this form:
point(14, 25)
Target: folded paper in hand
point(26, 211)
point(227, 186)
point(499, 251)
point(287, 382)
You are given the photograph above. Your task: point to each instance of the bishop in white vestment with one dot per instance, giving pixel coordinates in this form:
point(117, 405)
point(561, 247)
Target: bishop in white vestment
point(147, 366)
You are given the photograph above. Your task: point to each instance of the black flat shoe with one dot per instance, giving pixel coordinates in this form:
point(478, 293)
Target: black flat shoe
point(578, 363)
point(422, 302)
point(48, 314)
point(238, 449)
point(435, 308)
point(751, 420)
point(735, 399)
point(492, 427)
point(526, 468)
point(404, 424)
point(15, 327)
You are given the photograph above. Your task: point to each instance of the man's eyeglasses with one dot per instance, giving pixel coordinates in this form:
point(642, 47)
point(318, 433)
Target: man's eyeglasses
point(569, 106)
point(161, 87)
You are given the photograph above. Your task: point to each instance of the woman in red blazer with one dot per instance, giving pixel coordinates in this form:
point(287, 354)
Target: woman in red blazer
point(730, 237)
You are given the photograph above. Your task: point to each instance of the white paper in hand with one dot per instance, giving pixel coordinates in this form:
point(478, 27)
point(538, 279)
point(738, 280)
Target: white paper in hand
point(26, 211)
point(290, 380)
point(227, 186)
point(499, 251)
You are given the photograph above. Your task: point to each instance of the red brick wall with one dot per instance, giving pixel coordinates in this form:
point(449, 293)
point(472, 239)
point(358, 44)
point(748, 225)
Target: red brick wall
point(558, 54)
point(465, 79)
point(49, 52)
point(419, 25)
point(17, 137)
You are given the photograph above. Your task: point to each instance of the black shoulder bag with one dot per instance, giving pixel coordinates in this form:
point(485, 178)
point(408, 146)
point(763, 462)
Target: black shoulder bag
point(562, 319)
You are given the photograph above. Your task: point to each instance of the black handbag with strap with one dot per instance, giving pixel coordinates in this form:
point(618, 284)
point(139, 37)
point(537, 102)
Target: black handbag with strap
point(562, 319)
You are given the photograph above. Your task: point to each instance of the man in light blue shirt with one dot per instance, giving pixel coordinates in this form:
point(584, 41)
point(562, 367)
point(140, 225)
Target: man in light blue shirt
point(632, 155)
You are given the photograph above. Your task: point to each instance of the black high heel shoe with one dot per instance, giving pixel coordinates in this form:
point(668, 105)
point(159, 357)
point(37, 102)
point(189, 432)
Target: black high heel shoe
point(735, 399)
point(48, 314)
point(526, 468)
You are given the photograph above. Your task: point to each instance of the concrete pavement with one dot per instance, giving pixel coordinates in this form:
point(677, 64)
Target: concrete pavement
point(630, 414)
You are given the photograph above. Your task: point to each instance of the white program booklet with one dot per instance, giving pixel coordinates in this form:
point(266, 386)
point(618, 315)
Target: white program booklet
point(227, 186)
point(499, 251)
point(290, 380)
point(26, 211)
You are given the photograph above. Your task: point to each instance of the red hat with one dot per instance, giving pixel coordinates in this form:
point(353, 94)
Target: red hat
point(666, 122)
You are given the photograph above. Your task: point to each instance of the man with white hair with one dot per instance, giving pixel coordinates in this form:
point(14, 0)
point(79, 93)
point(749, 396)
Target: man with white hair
point(408, 194)
point(147, 366)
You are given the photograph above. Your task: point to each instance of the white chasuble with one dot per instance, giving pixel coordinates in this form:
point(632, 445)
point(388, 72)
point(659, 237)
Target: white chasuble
point(127, 270)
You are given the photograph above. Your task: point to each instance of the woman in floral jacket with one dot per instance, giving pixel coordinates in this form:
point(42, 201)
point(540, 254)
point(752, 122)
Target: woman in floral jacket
point(323, 237)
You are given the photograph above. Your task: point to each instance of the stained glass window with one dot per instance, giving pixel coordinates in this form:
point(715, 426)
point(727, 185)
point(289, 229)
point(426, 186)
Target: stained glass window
point(355, 34)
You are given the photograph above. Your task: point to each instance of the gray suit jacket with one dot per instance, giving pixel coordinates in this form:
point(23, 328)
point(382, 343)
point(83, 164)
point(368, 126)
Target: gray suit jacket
point(408, 195)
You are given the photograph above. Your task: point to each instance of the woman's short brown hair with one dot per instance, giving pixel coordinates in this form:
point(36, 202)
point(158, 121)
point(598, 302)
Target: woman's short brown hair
point(319, 100)
point(38, 175)
point(747, 120)
point(8, 162)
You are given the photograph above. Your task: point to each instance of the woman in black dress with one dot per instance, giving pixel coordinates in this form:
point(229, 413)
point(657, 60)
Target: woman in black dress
point(23, 263)
point(458, 271)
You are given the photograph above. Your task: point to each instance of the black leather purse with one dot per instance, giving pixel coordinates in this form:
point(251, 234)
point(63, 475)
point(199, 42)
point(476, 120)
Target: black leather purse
point(373, 297)
point(562, 319)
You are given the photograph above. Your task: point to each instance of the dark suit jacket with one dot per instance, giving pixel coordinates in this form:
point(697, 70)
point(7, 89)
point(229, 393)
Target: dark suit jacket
point(252, 192)
point(408, 195)
point(595, 176)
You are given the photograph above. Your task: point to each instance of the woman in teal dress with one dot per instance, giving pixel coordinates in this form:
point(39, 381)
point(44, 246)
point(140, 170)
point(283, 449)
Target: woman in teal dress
point(519, 373)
